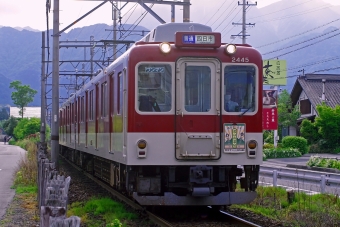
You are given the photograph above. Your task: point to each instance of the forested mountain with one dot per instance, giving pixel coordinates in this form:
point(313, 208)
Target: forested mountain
point(303, 32)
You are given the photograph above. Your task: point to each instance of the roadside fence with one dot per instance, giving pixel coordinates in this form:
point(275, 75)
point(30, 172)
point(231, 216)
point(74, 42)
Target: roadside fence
point(53, 194)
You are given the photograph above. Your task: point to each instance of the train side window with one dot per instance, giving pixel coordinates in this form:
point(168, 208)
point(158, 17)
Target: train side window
point(91, 109)
point(120, 93)
point(72, 113)
point(104, 99)
point(82, 110)
point(154, 86)
point(239, 86)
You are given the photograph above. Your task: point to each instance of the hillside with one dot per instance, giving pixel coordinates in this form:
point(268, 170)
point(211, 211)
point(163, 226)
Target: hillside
point(303, 32)
point(20, 57)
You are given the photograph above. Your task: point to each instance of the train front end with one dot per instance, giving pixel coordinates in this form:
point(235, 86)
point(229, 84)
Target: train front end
point(195, 121)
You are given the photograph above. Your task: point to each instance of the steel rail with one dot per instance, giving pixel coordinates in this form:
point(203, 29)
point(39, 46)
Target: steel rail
point(240, 221)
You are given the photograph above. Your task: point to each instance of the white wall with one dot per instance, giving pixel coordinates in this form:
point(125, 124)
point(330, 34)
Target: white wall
point(28, 113)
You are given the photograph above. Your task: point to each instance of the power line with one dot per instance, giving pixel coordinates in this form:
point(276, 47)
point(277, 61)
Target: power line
point(302, 33)
point(292, 15)
point(305, 46)
point(280, 10)
point(220, 15)
point(300, 42)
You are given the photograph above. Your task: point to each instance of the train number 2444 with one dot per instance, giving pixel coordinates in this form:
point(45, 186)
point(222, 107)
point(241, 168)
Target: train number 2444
point(235, 59)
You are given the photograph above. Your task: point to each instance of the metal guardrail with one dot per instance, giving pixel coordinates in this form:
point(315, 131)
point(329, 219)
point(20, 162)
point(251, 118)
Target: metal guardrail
point(321, 178)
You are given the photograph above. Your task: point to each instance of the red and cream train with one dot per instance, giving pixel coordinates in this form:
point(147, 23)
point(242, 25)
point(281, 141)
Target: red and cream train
point(175, 120)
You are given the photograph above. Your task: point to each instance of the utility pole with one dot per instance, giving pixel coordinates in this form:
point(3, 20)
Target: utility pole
point(114, 18)
point(186, 11)
point(91, 53)
point(43, 91)
point(55, 86)
point(244, 24)
point(303, 72)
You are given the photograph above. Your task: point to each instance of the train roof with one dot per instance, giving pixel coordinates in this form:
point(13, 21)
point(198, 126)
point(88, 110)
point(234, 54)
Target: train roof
point(166, 32)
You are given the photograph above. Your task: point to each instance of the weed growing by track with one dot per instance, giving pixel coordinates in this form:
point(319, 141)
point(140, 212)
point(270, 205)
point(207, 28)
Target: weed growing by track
point(296, 209)
point(100, 211)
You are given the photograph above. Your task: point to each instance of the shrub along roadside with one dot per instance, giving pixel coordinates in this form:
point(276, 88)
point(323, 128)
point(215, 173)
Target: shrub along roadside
point(280, 153)
point(316, 161)
point(296, 142)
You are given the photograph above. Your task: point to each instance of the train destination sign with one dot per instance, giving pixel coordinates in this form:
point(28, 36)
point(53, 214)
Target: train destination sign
point(199, 39)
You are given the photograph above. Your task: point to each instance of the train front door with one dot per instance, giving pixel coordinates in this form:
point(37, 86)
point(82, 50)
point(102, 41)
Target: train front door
point(198, 109)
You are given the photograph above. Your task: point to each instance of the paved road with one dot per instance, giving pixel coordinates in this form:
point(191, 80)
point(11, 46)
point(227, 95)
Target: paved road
point(9, 159)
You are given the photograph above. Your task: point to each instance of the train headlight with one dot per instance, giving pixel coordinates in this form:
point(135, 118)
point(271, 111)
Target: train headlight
point(141, 144)
point(165, 47)
point(141, 149)
point(252, 145)
point(230, 49)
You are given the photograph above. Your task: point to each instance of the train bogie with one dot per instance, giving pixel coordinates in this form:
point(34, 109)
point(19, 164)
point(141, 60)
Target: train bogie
point(172, 122)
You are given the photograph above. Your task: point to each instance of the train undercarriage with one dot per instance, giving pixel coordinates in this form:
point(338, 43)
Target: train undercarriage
point(173, 185)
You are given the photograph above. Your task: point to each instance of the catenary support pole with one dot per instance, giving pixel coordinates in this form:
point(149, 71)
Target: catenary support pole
point(55, 85)
point(43, 91)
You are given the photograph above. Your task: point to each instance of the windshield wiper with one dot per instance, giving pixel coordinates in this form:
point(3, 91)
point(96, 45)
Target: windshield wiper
point(246, 111)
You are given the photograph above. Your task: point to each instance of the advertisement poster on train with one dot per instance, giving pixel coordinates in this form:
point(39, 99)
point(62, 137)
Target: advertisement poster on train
point(234, 135)
point(274, 72)
point(269, 119)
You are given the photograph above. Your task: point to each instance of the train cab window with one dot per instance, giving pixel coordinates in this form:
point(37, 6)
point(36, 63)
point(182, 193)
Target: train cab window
point(154, 85)
point(239, 88)
point(197, 88)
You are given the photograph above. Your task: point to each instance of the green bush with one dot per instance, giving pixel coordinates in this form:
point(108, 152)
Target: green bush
point(321, 147)
point(9, 125)
point(26, 127)
point(268, 145)
point(269, 137)
point(337, 150)
point(315, 148)
point(281, 153)
point(295, 142)
point(316, 161)
point(309, 131)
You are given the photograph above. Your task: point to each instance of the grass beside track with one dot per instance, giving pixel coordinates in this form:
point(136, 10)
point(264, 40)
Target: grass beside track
point(301, 211)
point(298, 209)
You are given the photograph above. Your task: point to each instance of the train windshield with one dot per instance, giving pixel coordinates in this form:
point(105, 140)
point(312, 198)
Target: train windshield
point(197, 88)
point(239, 88)
point(154, 87)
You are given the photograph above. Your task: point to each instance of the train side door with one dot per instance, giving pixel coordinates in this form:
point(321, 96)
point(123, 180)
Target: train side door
point(96, 115)
point(198, 109)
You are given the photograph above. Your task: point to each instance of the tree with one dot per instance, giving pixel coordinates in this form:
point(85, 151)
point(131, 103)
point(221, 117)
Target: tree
point(287, 114)
point(23, 95)
point(328, 123)
point(309, 131)
point(3, 114)
point(9, 125)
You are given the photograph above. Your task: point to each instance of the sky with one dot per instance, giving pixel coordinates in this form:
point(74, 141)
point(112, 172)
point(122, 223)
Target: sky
point(32, 13)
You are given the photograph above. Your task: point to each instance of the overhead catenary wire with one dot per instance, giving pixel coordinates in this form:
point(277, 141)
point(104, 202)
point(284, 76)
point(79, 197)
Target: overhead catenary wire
point(316, 37)
point(302, 33)
point(293, 15)
point(274, 12)
point(305, 46)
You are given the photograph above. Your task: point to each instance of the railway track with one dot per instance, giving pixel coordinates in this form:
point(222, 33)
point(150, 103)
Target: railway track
point(223, 218)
